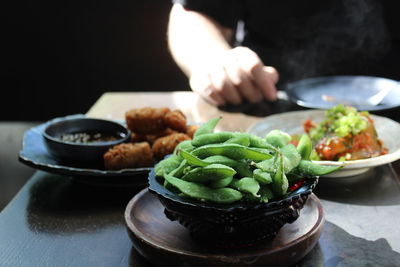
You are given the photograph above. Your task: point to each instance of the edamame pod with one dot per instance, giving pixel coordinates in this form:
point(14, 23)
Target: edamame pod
point(291, 157)
point(248, 185)
point(278, 138)
point(304, 147)
point(280, 183)
point(262, 177)
point(212, 138)
point(310, 168)
point(240, 139)
point(211, 172)
point(243, 168)
point(167, 165)
point(207, 127)
point(191, 159)
point(221, 183)
point(265, 193)
point(267, 165)
point(233, 151)
point(221, 160)
point(180, 170)
point(184, 145)
point(224, 195)
point(256, 141)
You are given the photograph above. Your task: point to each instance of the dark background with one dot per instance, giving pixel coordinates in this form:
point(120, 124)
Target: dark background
point(59, 57)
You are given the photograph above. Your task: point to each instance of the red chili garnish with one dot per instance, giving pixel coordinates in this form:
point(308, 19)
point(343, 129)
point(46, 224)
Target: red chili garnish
point(294, 142)
point(296, 185)
point(308, 124)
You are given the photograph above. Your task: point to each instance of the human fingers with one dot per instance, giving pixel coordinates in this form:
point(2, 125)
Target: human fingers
point(241, 80)
point(273, 73)
point(200, 83)
point(266, 78)
point(263, 77)
point(221, 82)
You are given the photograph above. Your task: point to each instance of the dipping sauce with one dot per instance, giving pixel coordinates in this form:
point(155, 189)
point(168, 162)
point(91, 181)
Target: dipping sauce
point(90, 137)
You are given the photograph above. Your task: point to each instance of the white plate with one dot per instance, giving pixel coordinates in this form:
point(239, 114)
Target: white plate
point(292, 123)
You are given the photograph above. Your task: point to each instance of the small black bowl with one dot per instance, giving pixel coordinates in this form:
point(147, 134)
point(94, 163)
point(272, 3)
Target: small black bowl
point(64, 139)
point(234, 225)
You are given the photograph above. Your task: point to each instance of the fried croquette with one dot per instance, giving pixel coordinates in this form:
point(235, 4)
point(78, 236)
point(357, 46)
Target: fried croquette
point(166, 145)
point(146, 120)
point(128, 155)
point(191, 129)
point(176, 120)
point(151, 138)
point(136, 138)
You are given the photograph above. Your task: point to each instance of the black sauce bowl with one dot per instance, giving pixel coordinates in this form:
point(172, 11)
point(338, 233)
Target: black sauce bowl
point(83, 154)
point(234, 225)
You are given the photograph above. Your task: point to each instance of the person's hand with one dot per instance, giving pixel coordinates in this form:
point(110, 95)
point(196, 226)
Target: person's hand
point(238, 75)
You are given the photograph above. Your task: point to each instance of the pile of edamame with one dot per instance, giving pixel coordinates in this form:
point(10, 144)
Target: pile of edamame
point(228, 167)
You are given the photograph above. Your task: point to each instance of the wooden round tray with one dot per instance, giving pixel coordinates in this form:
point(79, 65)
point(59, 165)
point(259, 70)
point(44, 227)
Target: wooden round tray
point(164, 242)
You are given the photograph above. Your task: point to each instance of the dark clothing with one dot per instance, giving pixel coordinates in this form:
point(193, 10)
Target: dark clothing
point(314, 38)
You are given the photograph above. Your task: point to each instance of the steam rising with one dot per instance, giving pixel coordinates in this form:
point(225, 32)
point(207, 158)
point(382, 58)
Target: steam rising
point(342, 38)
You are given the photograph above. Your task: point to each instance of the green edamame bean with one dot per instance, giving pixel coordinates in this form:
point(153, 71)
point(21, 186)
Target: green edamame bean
point(243, 168)
point(262, 177)
point(267, 165)
point(191, 159)
point(221, 160)
point(170, 187)
point(212, 138)
point(205, 167)
point(167, 165)
point(304, 146)
point(221, 183)
point(207, 127)
point(184, 145)
point(211, 172)
point(310, 168)
point(280, 183)
point(240, 139)
point(177, 172)
point(224, 195)
point(247, 184)
point(256, 141)
point(233, 151)
point(278, 138)
point(265, 193)
point(314, 155)
point(180, 170)
point(291, 157)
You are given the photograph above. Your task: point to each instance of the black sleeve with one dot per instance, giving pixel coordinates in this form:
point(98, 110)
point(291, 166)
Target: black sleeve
point(225, 12)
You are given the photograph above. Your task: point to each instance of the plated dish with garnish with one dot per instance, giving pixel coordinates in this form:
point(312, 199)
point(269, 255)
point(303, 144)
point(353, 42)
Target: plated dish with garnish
point(293, 123)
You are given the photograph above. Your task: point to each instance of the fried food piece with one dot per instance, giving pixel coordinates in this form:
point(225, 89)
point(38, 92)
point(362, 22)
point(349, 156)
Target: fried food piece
point(146, 120)
point(191, 129)
point(176, 120)
point(151, 138)
point(128, 155)
point(136, 138)
point(166, 145)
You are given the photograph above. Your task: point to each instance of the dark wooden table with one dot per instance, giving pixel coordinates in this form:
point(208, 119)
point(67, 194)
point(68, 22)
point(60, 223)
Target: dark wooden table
point(60, 221)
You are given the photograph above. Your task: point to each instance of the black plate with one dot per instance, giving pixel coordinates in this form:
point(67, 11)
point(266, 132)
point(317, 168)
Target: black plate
point(351, 90)
point(35, 154)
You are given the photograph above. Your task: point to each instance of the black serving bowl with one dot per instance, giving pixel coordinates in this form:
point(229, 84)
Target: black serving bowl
point(82, 153)
point(234, 225)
